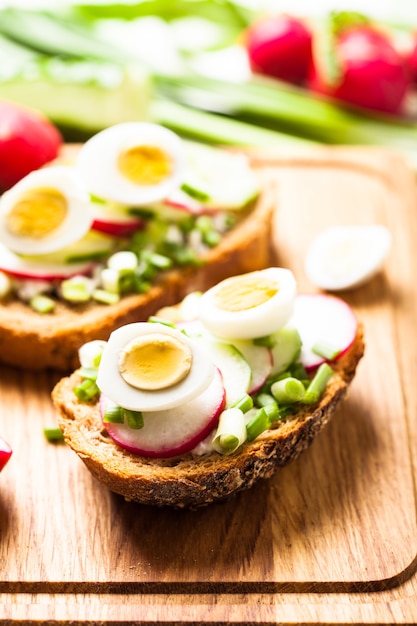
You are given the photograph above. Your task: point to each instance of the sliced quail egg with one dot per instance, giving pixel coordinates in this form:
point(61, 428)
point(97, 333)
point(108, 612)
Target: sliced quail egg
point(249, 306)
point(132, 163)
point(342, 257)
point(45, 211)
point(149, 366)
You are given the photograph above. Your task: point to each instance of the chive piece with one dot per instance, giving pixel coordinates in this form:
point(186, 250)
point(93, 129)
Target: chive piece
point(134, 418)
point(326, 350)
point(42, 304)
point(258, 424)
point(318, 383)
point(87, 390)
point(75, 290)
point(157, 260)
point(263, 399)
point(193, 192)
point(288, 390)
point(272, 411)
point(159, 320)
point(113, 414)
point(105, 297)
point(244, 404)
point(211, 238)
point(89, 373)
point(53, 434)
point(228, 442)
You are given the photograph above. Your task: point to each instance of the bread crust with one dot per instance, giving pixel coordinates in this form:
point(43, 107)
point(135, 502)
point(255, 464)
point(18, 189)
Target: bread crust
point(32, 341)
point(189, 481)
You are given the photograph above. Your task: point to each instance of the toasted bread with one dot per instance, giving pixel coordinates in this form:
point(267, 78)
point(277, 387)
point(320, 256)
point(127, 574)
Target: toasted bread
point(30, 340)
point(193, 481)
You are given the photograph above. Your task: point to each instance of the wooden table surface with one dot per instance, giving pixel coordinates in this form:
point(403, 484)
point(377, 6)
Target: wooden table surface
point(331, 538)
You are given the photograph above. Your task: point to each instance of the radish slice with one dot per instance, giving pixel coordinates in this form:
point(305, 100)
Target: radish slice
point(175, 431)
point(342, 257)
point(323, 320)
point(5, 453)
point(114, 219)
point(26, 267)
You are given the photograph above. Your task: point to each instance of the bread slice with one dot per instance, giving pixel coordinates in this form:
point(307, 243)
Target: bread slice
point(33, 341)
point(194, 481)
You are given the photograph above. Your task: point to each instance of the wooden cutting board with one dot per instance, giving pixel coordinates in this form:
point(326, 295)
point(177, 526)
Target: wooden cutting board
point(330, 538)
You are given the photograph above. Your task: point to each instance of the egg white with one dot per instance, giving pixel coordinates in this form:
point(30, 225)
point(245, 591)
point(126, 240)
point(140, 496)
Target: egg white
point(113, 386)
point(342, 257)
point(74, 226)
point(97, 162)
point(256, 321)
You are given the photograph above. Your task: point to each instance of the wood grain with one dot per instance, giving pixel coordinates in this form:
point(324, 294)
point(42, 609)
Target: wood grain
point(331, 538)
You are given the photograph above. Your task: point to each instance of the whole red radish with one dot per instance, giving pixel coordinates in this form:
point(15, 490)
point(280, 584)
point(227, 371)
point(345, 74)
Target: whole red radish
point(280, 46)
point(370, 72)
point(27, 141)
point(5, 453)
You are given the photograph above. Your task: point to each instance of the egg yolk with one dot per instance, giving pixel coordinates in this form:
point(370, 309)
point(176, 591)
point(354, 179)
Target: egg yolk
point(37, 213)
point(155, 361)
point(145, 165)
point(245, 292)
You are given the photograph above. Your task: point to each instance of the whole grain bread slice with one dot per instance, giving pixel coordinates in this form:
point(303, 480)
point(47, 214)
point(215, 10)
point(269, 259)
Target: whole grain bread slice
point(34, 341)
point(193, 481)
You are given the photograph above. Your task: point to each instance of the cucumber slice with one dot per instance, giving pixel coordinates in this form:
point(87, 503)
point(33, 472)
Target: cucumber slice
point(286, 349)
point(218, 179)
point(235, 370)
point(259, 359)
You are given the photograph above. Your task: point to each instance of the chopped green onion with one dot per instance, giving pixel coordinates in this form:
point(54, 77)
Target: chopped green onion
point(157, 260)
point(42, 304)
point(193, 192)
point(272, 411)
point(89, 373)
point(257, 424)
point(87, 390)
point(76, 289)
point(113, 414)
point(288, 390)
point(326, 350)
point(90, 353)
point(231, 431)
point(244, 404)
point(134, 418)
point(53, 434)
point(110, 280)
point(159, 320)
point(318, 383)
point(263, 399)
point(123, 260)
point(105, 297)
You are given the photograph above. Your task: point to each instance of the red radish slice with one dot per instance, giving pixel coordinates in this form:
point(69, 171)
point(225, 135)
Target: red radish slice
point(117, 229)
point(5, 453)
point(326, 320)
point(25, 267)
point(175, 431)
point(115, 220)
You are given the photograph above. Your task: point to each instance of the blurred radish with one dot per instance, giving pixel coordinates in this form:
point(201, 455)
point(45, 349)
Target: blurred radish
point(27, 142)
point(280, 46)
point(5, 453)
point(365, 68)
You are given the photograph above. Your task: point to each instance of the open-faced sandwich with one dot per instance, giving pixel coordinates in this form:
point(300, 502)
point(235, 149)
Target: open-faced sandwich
point(211, 395)
point(118, 227)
